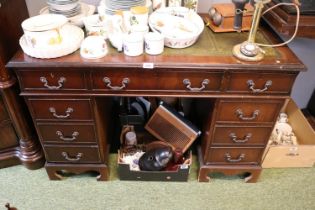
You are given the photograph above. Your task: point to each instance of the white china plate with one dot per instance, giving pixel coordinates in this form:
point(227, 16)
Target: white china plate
point(72, 38)
point(86, 10)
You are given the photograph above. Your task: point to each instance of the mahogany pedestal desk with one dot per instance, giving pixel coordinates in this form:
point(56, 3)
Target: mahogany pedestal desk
point(69, 100)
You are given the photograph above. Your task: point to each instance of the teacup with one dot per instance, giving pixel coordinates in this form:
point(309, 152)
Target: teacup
point(93, 47)
point(132, 44)
point(44, 30)
point(154, 43)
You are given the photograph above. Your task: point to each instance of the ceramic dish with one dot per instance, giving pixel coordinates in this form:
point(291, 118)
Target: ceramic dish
point(180, 27)
point(43, 30)
point(72, 38)
point(86, 10)
point(93, 47)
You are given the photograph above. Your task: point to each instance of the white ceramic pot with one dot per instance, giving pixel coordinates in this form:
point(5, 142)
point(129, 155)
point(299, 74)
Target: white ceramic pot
point(44, 30)
point(132, 44)
point(96, 25)
point(154, 43)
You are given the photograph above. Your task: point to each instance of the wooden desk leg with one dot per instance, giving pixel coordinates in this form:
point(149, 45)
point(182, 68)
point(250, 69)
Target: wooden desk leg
point(251, 173)
point(55, 171)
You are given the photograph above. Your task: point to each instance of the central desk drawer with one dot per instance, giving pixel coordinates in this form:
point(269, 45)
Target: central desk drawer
point(122, 80)
point(248, 110)
point(260, 83)
point(61, 109)
point(190, 81)
point(72, 154)
point(230, 155)
point(67, 133)
point(241, 135)
point(52, 80)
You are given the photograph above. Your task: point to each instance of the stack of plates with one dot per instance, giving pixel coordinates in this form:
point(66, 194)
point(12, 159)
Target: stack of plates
point(112, 6)
point(68, 8)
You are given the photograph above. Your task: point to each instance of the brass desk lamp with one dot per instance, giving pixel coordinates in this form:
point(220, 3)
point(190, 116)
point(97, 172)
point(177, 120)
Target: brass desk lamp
point(249, 50)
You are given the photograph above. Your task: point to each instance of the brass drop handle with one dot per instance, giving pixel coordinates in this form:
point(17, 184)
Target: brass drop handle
point(241, 116)
point(124, 82)
point(73, 137)
point(234, 138)
point(251, 85)
point(228, 158)
point(67, 113)
point(76, 158)
point(203, 85)
point(60, 83)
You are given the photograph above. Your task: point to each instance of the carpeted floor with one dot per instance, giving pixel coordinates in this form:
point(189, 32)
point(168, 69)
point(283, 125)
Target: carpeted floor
point(277, 189)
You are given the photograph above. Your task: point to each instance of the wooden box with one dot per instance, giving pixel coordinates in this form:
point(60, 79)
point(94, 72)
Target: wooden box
point(227, 12)
point(287, 156)
point(179, 174)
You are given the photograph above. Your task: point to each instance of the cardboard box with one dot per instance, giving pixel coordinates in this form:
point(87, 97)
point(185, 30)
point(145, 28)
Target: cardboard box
point(302, 155)
point(179, 173)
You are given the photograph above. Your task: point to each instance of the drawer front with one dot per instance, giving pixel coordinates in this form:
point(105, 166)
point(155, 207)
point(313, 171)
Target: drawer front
point(123, 80)
point(146, 80)
point(61, 109)
point(72, 154)
point(241, 135)
point(67, 133)
point(190, 81)
point(260, 83)
point(230, 155)
point(248, 111)
point(52, 80)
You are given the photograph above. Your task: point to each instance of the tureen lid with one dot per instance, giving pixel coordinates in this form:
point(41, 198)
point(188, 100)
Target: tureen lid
point(44, 22)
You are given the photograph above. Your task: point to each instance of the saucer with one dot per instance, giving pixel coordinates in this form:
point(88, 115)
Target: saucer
point(86, 10)
point(72, 38)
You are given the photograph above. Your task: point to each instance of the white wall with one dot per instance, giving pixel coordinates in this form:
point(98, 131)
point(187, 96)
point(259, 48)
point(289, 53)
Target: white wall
point(303, 48)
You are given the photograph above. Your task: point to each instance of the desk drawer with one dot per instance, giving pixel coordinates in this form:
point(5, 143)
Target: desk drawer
point(190, 81)
point(72, 154)
point(248, 110)
point(230, 155)
point(61, 109)
point(52, 80)
point(73, 133)
point(124, 80)
point(241, 135)
point(261, 83)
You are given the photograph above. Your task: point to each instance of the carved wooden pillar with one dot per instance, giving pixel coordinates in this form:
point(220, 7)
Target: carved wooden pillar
point(25, 148)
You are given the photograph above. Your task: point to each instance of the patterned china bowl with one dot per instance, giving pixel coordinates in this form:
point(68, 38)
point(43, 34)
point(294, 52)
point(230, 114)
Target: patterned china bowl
point(180, 26)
